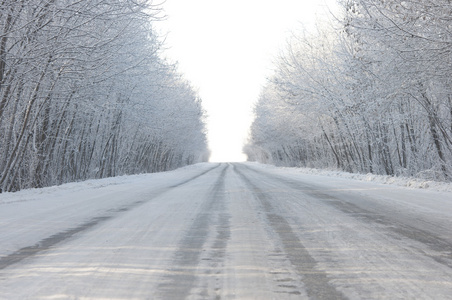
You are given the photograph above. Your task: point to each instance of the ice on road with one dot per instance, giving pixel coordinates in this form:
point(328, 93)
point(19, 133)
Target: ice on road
point(226, 231)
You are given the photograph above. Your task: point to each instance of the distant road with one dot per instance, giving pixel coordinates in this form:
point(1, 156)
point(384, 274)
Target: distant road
point(227, 231)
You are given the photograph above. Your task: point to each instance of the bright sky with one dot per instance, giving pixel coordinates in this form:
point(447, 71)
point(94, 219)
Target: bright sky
point(226, 49)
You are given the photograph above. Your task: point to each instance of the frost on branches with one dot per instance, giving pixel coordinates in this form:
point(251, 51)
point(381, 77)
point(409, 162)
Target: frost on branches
point(85, 94)
point(370, 93)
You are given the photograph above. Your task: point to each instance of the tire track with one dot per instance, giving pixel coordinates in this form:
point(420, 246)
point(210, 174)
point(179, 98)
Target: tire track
point(51, 241)
point(315, 281)
point(392, 226)
point(182, 278)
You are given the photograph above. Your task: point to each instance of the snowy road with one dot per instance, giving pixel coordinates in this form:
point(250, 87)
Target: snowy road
point(226, 231)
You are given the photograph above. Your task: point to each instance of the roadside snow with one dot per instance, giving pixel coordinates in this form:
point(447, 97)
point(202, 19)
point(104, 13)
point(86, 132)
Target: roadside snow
point(410, 182)
point(93, 184)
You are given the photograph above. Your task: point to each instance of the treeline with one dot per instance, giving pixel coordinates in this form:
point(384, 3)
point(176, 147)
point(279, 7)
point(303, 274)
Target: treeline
point(84, 93)
point(369, 92)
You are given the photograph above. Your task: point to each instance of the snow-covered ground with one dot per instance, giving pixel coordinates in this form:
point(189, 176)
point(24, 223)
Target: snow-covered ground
point(36, 214)
point(66, 190)
point(230, 231)
point(409, 182)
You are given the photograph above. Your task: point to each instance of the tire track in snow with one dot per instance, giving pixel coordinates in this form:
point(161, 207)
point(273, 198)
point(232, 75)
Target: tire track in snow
point(442, 246)
point(51, 241)
point(182, 278)
point(315, 281)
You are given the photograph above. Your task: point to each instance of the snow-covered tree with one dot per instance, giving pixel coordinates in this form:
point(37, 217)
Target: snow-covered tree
point(85, 94)
point(371, 93)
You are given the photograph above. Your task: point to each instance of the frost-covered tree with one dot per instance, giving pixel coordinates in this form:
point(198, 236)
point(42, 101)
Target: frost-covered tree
point(85, 94)
point(371, 93)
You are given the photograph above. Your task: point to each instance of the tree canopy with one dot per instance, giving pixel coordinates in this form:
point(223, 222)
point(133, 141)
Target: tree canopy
point(368, 92)
point(85, 93)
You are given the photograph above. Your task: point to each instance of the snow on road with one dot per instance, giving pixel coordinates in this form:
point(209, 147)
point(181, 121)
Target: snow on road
point(226, 231)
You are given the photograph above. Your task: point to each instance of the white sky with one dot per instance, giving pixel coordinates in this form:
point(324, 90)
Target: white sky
point(226, 49)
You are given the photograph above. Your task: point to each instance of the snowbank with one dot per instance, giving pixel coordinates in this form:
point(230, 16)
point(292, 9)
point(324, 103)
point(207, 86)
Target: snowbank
point(410, 182)
point(92, 184)
point(386, 179)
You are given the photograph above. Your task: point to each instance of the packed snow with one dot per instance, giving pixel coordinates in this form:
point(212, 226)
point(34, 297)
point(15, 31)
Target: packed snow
point(234, 231)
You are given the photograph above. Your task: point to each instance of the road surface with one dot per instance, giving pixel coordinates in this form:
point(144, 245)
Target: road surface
point(227, 231)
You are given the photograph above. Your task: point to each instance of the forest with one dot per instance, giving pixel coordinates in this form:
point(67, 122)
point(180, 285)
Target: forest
point(85, 93)
point(368, 91)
